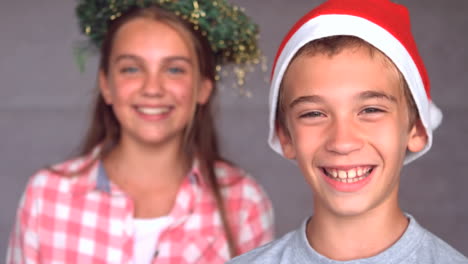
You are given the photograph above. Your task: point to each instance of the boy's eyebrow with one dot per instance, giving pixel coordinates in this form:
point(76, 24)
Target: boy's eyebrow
point(362, 96)
point(306, 99)
point(379, 95)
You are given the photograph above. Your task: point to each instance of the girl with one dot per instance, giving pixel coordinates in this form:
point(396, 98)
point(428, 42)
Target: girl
point(150, 185)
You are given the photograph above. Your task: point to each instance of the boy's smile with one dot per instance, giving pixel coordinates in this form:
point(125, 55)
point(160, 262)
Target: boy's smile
point(348, 128)
point(348, 179)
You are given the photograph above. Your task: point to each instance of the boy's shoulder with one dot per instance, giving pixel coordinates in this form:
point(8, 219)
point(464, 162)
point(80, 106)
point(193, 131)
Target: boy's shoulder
point(417, 245)
point(283, 250)
point(433, 249)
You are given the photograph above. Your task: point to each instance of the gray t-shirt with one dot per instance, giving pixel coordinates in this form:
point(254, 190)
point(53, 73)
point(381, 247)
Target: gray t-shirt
point(417, 245)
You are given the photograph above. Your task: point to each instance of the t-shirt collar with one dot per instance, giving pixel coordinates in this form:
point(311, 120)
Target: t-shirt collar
point(399, 251)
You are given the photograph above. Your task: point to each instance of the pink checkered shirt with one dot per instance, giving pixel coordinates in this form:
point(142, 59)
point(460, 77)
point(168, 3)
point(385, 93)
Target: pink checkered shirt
point(88, 219)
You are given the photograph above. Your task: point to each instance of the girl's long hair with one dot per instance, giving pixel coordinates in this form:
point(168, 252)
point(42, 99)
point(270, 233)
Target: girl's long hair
point(201, 137)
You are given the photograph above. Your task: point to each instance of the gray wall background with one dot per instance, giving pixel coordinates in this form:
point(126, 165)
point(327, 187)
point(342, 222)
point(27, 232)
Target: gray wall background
point(44, 103)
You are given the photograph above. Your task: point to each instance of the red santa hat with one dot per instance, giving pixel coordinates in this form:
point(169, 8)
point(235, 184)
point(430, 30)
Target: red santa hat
point(381, 23)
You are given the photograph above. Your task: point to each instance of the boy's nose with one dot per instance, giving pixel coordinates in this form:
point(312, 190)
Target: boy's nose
point(344, 138)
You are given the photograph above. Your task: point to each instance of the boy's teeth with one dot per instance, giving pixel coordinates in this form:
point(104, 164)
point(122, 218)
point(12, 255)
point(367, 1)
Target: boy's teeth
point(349, 180)
point(153, 110)
point(350, 175)
point(342, 174)
point(334, 173)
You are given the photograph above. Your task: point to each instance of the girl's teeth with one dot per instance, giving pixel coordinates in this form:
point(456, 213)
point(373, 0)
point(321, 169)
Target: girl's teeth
point(153, 110)
point(352, 173)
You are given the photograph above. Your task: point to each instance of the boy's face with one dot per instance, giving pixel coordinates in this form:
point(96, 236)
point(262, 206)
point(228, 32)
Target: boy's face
point(348, 128)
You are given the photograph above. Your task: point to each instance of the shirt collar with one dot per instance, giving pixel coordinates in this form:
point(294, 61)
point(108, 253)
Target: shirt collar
point(397, 253)
point(93, 178)
point(97, 178)
point(191, 190)
point(195, 174)
point(102, 180)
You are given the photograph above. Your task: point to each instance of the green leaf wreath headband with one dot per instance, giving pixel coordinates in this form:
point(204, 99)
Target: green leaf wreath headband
point(232, 35)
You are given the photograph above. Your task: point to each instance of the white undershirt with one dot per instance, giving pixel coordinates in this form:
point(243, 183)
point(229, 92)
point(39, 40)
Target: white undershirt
point(146, 234)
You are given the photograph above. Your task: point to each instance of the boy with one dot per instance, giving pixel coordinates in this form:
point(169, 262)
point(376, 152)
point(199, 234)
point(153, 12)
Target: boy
point(350, 103)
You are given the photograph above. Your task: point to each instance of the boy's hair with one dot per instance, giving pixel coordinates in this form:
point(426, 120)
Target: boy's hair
point(332, 46)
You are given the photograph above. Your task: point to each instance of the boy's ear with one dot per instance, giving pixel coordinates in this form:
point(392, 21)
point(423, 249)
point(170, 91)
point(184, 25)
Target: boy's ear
point(104, 88)
point(417, 137)
point(204, 91)
point(286, 142)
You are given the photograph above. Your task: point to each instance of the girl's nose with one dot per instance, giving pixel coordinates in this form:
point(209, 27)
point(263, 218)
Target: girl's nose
point(153, 86)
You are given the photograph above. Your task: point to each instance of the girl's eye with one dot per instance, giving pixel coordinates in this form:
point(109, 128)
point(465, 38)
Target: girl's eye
point(312, 114)
point(176, 70)
point(129, 70)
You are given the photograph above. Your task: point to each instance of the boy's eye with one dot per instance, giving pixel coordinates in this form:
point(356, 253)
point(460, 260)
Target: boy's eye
point(372, 110)
point(312, 114)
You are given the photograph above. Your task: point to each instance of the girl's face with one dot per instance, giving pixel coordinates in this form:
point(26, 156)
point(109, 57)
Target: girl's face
point(153, 82)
